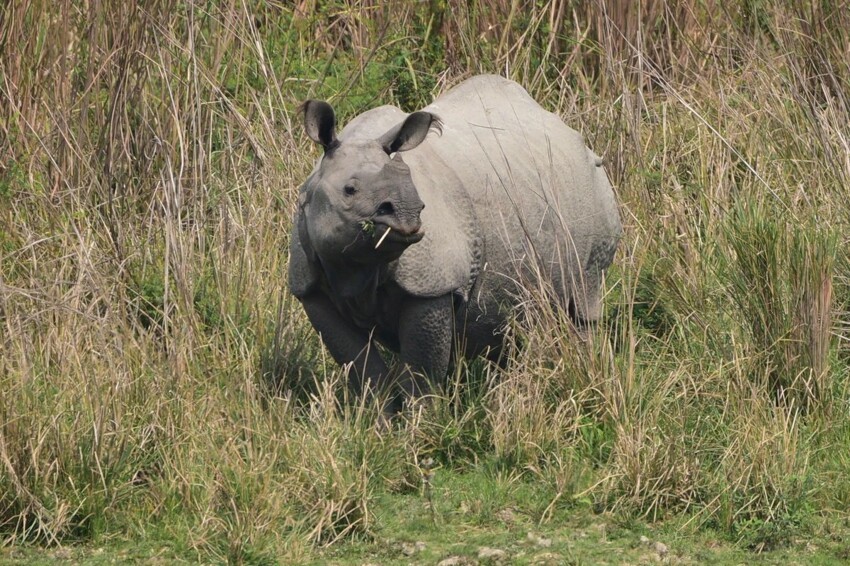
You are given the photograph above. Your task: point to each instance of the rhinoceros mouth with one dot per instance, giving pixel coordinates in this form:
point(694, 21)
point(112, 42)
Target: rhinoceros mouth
point(385, 234)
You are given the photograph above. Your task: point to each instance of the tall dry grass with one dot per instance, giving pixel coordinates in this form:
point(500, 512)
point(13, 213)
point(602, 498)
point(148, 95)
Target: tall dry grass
point(155, 374)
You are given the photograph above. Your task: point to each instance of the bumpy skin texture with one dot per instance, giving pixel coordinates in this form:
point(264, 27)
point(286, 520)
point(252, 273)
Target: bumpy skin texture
point(505, 195)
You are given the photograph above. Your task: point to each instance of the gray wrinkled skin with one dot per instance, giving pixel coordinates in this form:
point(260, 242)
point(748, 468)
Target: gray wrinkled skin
point(482, 191)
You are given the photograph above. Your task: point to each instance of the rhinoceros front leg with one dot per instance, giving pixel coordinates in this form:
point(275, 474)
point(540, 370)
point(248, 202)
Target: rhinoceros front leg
point(348, 344)
point(426, 330)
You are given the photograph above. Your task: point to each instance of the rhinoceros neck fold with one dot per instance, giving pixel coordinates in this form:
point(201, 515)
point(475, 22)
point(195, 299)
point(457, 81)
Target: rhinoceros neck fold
point(350, 279)
point(366, 296)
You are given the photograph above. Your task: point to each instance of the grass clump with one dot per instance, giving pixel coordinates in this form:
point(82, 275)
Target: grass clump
point(781, 283)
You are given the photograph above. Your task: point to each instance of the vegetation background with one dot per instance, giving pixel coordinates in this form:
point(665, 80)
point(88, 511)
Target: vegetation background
point(163, 398)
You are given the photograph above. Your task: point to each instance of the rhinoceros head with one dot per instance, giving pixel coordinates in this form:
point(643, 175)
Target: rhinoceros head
point(360, 204)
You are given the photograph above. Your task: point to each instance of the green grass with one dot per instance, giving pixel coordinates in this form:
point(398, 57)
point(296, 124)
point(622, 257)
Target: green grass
point(480, 510)
point(163, 398)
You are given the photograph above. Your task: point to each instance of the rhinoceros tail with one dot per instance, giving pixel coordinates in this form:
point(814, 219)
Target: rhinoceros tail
point(597, 160)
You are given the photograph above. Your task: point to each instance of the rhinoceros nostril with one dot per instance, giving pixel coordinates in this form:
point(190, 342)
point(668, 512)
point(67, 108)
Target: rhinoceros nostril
point(386, 208)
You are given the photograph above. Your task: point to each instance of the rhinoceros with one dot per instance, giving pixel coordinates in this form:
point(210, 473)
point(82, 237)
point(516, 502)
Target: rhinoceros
point(417, 231)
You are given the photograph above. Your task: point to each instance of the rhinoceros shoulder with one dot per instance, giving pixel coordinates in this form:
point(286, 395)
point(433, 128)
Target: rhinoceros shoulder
point(448, 259)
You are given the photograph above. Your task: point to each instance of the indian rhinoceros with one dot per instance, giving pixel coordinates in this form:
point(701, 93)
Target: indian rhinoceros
point(417, 230)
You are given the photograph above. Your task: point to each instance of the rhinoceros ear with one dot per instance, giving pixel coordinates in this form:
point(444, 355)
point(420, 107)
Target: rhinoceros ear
point(320, 123)
point(410, 133)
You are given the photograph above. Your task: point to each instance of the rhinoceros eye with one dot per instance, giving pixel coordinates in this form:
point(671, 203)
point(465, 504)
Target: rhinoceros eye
point(350, 190)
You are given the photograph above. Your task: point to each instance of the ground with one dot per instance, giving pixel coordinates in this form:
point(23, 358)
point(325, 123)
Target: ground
point(480, 518)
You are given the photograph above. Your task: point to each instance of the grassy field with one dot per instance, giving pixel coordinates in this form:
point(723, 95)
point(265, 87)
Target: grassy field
point(163, 398)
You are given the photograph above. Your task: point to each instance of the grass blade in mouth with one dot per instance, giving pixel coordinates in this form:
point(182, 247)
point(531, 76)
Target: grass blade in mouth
point(381, 241)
